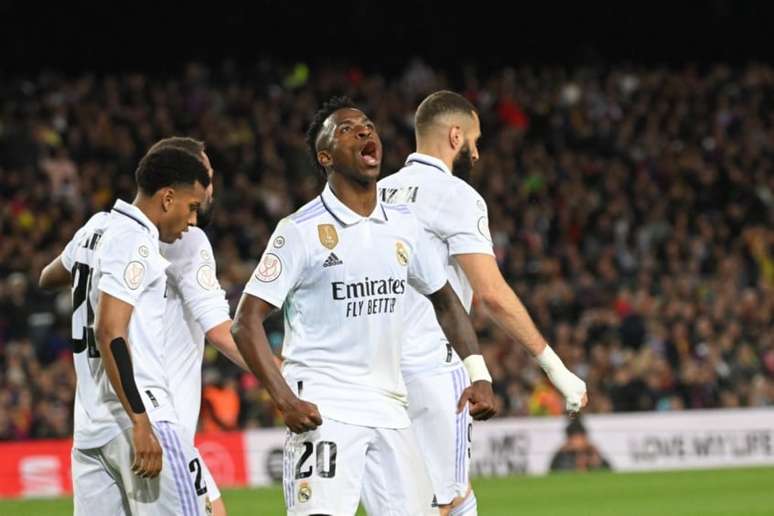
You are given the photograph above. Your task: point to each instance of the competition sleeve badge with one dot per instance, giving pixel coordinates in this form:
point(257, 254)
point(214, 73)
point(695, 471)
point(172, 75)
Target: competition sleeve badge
point(133, 274)
point(328, 236)
point(401, 253)
point(269, 268)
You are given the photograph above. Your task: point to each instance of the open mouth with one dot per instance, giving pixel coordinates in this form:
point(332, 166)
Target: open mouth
point(369, 154)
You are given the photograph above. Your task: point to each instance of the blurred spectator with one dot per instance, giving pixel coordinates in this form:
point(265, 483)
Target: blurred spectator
point(577, 453)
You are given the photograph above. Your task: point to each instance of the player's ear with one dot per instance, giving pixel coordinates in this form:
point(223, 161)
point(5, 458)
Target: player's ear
point(456, 138)
point(167, 198)
point(324, 158)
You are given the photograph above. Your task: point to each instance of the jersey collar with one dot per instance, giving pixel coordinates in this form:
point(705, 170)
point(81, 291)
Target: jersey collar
point(134, 213)
point(428, 161)
point(344, 215)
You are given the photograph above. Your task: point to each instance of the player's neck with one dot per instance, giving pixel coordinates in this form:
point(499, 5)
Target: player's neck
point(437, 151)
point(358, 197)
point(148, 207)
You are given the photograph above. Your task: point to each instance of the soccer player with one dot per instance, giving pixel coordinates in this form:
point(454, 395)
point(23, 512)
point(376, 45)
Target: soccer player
point(340, 269)
point(455, 216)
point(196, 308)
point(123, 401)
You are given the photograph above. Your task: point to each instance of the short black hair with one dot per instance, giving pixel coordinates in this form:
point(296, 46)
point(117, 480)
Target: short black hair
point(327, 109)
point(170, 166)
point(440, 103)
point(186, 143)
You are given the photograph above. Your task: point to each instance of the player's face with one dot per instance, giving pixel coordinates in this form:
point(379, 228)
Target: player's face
point(181, 205)
point(355, 150)
point(467, 156)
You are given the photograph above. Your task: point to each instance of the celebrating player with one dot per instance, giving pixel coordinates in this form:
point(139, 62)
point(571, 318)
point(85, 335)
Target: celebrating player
point(455, 215)
point(124, 411)
point(340, 269)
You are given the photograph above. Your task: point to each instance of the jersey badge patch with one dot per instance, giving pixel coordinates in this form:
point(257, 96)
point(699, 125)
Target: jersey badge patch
point(483, 228)
point(144, 251)
point(269, 268)
point(304, 492)
point(205, 276)
point(133, 274)
point(401, 253)
point(279, 242)
point(328, 236)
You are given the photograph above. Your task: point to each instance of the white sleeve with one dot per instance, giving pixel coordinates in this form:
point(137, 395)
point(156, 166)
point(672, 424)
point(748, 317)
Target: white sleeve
point(68, 254)
point(129, 263)
point(281, 265)
point(194, 276)
point(462, 221)
point(426, 270)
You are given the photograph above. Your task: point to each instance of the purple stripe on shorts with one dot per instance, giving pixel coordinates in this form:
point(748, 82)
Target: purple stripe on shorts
point(175, 470)
point(189, 485)
point(457, 394)
point(462, 419)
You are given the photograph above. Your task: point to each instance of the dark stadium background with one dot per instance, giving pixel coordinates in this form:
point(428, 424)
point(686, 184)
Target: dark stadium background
point(380, 35)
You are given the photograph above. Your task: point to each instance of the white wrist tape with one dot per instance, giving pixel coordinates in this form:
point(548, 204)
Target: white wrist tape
point(550, 361)
point(477, 368)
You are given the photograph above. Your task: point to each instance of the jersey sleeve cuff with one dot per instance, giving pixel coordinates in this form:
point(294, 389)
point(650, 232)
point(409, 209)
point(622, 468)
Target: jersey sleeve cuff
point(213, 319)
point(471, 248)
point(272, 300)
point(117, 293)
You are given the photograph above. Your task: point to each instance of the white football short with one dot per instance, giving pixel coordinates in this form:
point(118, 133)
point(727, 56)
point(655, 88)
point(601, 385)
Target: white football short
point(443, 434)
point(104, 484)
point(328, 470)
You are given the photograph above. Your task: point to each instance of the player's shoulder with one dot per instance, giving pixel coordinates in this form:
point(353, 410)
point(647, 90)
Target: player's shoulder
point(193, 243)
point(306, 214)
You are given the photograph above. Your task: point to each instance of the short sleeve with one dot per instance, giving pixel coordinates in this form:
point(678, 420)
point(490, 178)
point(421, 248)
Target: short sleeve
point(281, 265)
point(68, 255)
point(426, 270)
point(462, 221)
point(129, 262)
point(193, 273)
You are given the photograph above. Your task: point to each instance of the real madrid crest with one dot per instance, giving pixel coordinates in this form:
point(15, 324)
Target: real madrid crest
point(328, 236)
point(401, 253)
point(304, 492)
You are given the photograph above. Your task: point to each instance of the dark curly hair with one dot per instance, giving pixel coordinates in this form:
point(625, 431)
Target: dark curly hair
point(327, 109)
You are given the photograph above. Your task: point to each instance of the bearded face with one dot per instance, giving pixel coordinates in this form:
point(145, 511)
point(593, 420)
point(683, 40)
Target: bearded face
point(463, 162)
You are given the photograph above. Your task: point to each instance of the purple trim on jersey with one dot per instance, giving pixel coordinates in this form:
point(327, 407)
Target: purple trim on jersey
point(461, 424)
point(308, 214)
point(331, 211)
point(416, 160)
point(166, 443)
point(398, 207)
point(138, 221)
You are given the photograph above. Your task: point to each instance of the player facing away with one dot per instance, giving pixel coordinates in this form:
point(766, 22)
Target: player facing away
point(196, 308)
point(340, 268)
point(129, 455)
point(455, 216)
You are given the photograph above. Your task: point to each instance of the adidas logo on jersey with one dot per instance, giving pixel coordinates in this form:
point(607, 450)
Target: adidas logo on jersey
point(332, 260)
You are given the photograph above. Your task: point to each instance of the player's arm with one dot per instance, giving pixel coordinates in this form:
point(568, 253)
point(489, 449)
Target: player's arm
point(111, 331)
point(456, 325)
point(54, 275)
point(220, 337)
point(505, 308)
point(250, 337)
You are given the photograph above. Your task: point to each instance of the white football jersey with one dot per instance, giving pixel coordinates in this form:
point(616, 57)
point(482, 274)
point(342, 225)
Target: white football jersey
point(118, 253)
point(342, 281)
point(195, 305)
point(455, 217)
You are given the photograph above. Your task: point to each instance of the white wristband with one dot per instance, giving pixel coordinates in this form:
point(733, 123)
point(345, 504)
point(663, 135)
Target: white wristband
point(477, 368)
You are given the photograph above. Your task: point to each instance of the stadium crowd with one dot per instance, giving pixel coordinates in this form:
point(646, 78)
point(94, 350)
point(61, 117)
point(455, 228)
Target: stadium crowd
point(631, 208)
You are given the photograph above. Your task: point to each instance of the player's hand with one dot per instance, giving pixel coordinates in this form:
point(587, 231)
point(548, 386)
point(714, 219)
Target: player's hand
point(147, 450)
point(301, 416)
point(481, 398)
point(572, 388)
